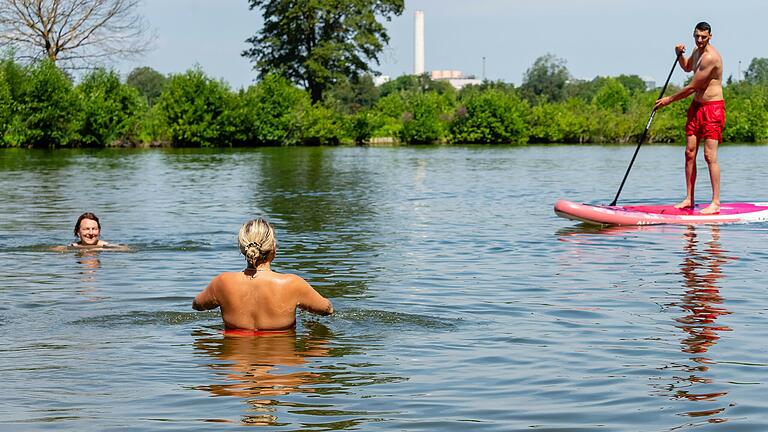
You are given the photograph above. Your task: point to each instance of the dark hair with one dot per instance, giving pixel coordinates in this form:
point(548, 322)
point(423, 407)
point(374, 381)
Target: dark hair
point(704, 26)
point(86, 215)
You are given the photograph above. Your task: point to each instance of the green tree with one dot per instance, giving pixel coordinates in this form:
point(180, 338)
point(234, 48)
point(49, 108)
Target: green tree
point(572, 121)
point(356, 94)
point(747, 113)
point(149, 82)
point(583, 89)
point(415, 83)
point(193, 107)
point(633, 83)
point(490, 117)
point(45, 108)
point(315, 43)
point(6, 104)
point(757, 72)
point(545, 79)
point(269, 113)
point(612, 96)
point(387, 115)
point(109, 109)
point(321, 126)
point(425, 119)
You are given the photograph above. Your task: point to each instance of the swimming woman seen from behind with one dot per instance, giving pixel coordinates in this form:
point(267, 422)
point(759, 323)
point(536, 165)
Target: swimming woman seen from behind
point(257, 298)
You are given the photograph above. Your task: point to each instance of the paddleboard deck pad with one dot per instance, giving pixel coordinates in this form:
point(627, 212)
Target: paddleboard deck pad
point(740, 212)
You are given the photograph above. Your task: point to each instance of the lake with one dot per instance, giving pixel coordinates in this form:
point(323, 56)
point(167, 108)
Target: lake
point(463, 302)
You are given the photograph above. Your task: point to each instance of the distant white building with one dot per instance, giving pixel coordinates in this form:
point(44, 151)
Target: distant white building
point(455, 77)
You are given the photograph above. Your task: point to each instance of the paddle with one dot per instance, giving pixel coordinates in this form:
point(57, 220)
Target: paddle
point(645, 132)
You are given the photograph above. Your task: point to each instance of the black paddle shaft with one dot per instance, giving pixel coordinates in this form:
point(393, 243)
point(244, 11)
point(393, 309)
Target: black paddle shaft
point(645, 132)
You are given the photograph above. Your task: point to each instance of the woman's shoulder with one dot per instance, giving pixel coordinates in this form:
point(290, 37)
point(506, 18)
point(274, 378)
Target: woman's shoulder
point(290, 280)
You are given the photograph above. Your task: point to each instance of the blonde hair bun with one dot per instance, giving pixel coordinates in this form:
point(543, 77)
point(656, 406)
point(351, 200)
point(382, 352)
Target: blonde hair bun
point(257, 241)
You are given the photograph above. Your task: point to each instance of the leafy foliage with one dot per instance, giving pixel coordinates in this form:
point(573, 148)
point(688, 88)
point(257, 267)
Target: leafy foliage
point(149, 82)
point(490, 116)
point(269, 113)
point(44, 108)
point(6, 103)
point(110, 109)
point(426, 117)
point(415, 83)
point(612, 96)
point(545, 80)
point(355, 94)
point(40, 107)
point(757, 72)
point(316, 43)
point(193, 108)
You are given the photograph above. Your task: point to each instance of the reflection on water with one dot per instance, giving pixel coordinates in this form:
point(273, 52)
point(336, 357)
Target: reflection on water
point(90, 264)
point(282, 378)
point(702, 303)
point(701, 300)
point(259, 369)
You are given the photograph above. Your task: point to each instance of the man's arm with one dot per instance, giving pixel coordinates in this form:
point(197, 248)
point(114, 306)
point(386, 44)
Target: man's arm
point(685, 63)
point(207, 298)
point(700, 81)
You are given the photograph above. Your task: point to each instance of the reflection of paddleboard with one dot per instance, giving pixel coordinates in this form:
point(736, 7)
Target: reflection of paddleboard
point(660, 214)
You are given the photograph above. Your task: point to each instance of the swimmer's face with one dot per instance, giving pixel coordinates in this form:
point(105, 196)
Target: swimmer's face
point(89, 232)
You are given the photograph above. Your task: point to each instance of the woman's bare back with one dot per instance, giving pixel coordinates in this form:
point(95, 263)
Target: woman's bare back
point(260, 300)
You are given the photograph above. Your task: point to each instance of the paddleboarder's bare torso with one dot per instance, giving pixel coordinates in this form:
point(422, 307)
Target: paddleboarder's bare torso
point(707, 67)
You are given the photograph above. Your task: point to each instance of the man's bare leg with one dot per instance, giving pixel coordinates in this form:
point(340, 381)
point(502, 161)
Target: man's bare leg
point(710, 155)
point(691, 150)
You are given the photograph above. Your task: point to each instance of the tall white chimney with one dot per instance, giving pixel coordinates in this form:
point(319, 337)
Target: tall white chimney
point(418, 43)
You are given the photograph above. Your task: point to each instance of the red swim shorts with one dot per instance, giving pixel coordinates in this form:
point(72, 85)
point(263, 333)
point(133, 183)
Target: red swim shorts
point(706, 120)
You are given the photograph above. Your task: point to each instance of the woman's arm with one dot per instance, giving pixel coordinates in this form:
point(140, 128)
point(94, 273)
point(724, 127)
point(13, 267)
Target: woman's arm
point(207, 298)
point(311, 300)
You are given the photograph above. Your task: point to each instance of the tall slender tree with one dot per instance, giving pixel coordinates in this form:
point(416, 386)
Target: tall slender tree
point(73, 33)
point(315, 42)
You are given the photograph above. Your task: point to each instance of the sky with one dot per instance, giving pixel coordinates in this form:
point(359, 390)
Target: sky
point(594, 37)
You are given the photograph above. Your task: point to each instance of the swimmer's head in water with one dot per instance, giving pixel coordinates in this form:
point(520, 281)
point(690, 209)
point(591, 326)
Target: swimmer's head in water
point(257, 241)
point(88, 228)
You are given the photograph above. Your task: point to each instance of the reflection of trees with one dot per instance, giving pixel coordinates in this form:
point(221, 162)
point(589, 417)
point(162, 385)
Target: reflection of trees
point(703, 305)
point(323, 198)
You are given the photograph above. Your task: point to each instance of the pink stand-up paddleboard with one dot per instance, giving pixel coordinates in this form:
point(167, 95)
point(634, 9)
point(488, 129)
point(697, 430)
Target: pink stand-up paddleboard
point(739, 212)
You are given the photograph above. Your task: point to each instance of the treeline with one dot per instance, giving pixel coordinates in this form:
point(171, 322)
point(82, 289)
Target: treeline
point(41, 106)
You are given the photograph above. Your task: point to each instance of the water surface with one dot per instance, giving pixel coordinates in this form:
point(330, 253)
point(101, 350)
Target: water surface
point(463, 302)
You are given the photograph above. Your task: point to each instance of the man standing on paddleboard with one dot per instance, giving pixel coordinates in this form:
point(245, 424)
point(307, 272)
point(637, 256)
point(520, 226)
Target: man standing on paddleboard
point(706, 115)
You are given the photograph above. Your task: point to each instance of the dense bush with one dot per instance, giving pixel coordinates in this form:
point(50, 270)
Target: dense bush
point(110, 110)
point(40, 107)
point(426, 117)
point(193, 107)
point(44, 107)
point(490, 116)
point(268, 113)
point(746, 114)
point(149, 83)
point(6, 104)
